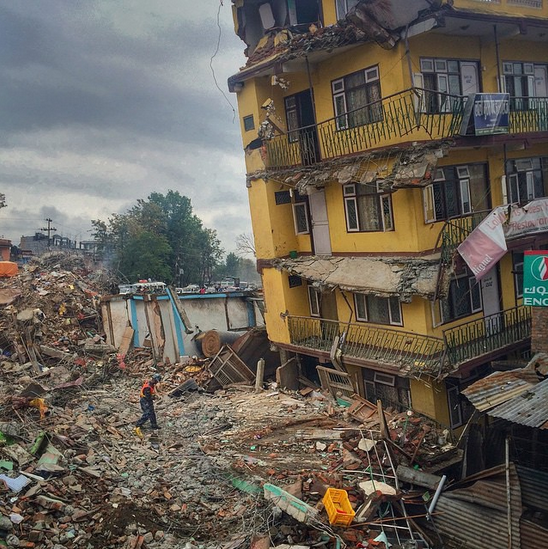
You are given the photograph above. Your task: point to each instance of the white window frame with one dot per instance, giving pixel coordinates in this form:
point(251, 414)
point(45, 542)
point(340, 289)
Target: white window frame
point(350, 196)
point(343, 7)
point(314, 301)
point(390, 301)
point(338, 91)
point(463, 172)
point(464, 185)
point(428, 204)
point(300, 205)
point(472, 282)
point(384, 379)
point(516, 265)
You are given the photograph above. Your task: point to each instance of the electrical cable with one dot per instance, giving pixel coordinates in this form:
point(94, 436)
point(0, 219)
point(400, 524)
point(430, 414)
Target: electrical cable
point(215, 55)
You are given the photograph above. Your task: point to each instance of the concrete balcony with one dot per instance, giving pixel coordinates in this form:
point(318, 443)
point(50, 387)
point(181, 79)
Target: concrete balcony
point(412, 115)
point(408, 353)
point(489, 337)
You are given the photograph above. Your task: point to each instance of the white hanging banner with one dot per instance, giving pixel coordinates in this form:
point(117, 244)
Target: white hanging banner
point(486, 244)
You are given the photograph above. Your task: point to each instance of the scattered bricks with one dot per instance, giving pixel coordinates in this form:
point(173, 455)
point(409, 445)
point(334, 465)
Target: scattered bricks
point(36, 535)
point(351, 536)
point(79, 514)
point(50, 503)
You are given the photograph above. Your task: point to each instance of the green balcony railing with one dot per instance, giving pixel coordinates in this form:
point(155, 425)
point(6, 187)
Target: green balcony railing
point(406, 351)
point(414, 353)
point(414, 113)
point(455, 231)
point(493, 333)
point(398, 116)
point(528, 114)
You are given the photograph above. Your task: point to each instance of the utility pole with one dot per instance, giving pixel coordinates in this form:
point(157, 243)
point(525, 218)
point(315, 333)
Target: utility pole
point(49, 228)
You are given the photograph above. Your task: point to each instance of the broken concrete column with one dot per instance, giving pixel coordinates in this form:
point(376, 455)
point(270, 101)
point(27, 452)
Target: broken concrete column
point(287, 375)
point(260, 375)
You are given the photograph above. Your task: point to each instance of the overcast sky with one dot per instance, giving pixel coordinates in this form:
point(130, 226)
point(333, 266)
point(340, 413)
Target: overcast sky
point(104, 101)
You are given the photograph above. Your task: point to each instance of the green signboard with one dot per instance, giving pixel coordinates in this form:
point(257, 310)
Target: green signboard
point(535, 278)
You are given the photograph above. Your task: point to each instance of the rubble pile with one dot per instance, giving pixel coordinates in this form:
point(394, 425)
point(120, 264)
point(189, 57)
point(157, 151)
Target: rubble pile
point(239, 467)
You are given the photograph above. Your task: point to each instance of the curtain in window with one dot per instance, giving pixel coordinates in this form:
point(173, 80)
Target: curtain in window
point(368, 212)
point(378, 310)
point(375, 111)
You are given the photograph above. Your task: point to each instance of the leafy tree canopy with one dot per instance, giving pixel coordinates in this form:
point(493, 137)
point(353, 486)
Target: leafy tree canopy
point(160, 238)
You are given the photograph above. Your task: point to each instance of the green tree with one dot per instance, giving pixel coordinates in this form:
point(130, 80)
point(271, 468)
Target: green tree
point(192, 253)
point(147, 255)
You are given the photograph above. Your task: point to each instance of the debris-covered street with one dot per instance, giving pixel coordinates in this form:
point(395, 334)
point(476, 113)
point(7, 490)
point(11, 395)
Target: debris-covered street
point(233, 465)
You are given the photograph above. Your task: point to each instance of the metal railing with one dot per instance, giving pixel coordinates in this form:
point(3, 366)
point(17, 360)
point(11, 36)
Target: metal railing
point(393, 117)
point(404, 350)
point(486, 335)
point(528, 114)
point(411, 352)
point(413, 113)
point(455, 231)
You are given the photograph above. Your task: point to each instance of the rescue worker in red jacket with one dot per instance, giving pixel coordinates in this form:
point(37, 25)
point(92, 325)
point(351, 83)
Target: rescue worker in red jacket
point(147, 394)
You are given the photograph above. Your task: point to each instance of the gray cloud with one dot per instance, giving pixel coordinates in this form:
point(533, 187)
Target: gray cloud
point(104, 102)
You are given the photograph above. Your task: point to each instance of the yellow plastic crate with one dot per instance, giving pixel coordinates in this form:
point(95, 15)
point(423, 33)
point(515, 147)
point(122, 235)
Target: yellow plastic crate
point(338, 507)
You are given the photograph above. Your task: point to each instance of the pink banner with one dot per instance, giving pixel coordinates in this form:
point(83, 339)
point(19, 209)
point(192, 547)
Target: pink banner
point(486, 244)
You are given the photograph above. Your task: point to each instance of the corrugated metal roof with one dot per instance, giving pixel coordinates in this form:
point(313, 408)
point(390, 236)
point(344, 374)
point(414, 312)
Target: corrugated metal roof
point(402, 277)
point(533, 535)
point(476, 516)
point(530, 408)
point(499, 387)
point(534, 487)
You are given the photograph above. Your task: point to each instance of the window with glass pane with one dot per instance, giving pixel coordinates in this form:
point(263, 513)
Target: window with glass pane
point(458, 190)
point(314, 301)
point(361, 307)
point(356, 98)
point(300, 215)
point(519, 79)
point(517, 260)
point(379, 310)
point(527, 179)
point(464, 298)
point(344, 6)
point(292, 118)
point(367, 209)
point(445, 77)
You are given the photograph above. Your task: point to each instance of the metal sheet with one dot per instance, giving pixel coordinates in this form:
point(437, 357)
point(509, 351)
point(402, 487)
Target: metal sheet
point(533, 535)
point(530, 408)
point(476, 516)
point(534, 487)
point(499, 387)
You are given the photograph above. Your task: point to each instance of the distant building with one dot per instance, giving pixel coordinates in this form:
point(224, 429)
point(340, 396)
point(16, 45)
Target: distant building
point(38, 244)
point(5, 249)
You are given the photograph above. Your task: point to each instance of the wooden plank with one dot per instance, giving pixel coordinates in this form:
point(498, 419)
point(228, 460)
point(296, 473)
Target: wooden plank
point(127, 340)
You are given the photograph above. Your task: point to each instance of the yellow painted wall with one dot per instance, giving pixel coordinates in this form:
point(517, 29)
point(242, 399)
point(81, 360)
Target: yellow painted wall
point(405, 207)
point(391, 72)
point(280, 298)
point(272, 224)
point(507, 282)
point(430, 398)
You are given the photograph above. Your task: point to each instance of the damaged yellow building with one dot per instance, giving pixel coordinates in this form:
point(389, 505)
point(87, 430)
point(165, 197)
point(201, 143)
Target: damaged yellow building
point(378, 134)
